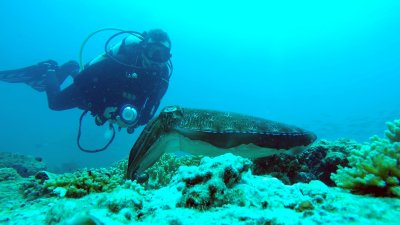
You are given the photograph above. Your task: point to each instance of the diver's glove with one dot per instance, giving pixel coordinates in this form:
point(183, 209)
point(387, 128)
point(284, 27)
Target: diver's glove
point(100, 120)
point(108, 114)
point(130, 130)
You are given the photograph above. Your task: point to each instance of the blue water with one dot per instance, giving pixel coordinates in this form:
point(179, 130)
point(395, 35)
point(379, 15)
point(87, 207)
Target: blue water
point(331, 67)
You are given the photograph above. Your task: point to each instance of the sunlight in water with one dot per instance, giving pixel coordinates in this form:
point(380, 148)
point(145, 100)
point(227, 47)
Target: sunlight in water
point(290, 19)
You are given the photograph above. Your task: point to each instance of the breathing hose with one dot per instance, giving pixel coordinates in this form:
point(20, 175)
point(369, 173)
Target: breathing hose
point(78, 139)
point(96, 32)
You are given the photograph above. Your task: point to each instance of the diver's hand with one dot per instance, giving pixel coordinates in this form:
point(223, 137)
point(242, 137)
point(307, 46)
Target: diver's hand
point(100, 120)
point(110, 114)
point(120, 122)
point(130, 130)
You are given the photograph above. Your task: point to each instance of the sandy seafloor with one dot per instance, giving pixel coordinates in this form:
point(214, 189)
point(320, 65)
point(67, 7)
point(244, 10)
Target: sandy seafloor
point(247, 200)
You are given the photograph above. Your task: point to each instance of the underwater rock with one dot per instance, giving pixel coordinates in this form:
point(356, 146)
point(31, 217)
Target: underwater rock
point(43, 175)
point(122, 199)
point(8, 174)
point(83, 219)
point(121, 204)
point(25, 165)
point(210, 184)
point(318, 161)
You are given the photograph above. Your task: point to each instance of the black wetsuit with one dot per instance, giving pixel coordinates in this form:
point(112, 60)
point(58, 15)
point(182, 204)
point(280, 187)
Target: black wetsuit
point(108, 83)
point(105, 83)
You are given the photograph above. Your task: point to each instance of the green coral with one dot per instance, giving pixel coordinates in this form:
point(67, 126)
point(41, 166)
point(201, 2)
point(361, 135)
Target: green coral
point(393, 134)
point(161, 173)
point(375, 168)
point(84, 182)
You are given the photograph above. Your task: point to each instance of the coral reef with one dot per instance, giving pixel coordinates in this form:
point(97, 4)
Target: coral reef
point(23, 164)
point(77, 184)
point(317, 162)
point(221, 190)
point(161, 173)
point(88, 181)
point(212, 183)
point(124, 204)
point(375, 168)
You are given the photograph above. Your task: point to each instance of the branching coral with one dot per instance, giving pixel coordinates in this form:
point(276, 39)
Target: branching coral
point(85, 182)
point(394, 131)
point(375, 168)
point(77, 184)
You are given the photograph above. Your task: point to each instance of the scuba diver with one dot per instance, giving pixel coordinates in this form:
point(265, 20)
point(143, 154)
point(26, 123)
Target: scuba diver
point(123, 86)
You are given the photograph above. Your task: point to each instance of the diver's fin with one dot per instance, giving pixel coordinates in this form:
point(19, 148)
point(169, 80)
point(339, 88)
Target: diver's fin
point(33, 76)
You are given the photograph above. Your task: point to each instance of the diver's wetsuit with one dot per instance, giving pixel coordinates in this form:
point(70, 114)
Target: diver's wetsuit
point(112, 80)
point(108, 83)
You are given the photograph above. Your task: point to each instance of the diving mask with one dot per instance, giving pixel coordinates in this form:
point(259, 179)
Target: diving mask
point(157, 52)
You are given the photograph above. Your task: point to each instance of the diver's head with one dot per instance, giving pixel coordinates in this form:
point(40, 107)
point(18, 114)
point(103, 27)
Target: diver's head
point(156, 46)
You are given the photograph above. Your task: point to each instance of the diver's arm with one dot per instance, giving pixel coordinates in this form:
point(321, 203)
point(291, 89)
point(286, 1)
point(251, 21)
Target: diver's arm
point(153, 101)
point(152, 104)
